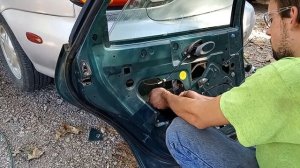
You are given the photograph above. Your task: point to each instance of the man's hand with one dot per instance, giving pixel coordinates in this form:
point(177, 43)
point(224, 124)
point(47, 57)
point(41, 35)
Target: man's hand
point(157, 98)
point(198, 110)
point(194, 95)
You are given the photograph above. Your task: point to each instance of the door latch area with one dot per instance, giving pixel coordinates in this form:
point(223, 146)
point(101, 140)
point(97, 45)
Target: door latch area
point(86, 73)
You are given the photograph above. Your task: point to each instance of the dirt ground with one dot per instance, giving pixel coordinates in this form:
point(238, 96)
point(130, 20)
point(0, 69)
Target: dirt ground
point(30, 122)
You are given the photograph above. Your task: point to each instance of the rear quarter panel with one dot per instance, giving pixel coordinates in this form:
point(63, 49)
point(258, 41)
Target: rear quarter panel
point(54, 31)
point(51, 20)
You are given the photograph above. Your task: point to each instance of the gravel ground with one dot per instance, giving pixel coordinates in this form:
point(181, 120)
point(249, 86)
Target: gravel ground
point(258, 49)
point(30, 121)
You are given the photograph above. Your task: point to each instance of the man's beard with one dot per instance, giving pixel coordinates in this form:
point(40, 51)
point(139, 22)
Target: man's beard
point(282, 54)
point(284, 49)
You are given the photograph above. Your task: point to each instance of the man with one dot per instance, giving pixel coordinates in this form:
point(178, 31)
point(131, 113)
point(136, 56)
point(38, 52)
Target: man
point(264, 110)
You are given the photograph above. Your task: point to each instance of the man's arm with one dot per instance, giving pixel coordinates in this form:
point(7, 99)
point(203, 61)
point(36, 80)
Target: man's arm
point(201, 112)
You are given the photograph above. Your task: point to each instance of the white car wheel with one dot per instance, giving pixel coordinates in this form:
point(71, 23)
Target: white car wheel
point(10, 53)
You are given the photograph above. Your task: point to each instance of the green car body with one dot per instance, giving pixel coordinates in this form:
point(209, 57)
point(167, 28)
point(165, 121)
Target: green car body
point(112, 79)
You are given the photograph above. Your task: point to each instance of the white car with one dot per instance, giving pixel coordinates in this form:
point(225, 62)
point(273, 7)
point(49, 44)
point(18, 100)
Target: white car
point(33, 32)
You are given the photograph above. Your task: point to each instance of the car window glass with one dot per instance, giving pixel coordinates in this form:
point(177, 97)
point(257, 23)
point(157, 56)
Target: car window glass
point(146, 18)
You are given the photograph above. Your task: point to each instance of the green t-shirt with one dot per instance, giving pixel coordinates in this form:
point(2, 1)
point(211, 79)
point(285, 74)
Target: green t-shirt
point(265, 111)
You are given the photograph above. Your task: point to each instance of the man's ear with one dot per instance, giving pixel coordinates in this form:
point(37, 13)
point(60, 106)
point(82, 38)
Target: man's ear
point(294, 14)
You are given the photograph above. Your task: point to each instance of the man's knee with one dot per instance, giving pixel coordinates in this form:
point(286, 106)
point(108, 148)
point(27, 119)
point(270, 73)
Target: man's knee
point(174, 136)
point(180, 141)
point(174, 129)
point(182, 133)
point(177, 131)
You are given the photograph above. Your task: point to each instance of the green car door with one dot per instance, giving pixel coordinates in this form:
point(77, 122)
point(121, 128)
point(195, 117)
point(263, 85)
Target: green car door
point(114, 59)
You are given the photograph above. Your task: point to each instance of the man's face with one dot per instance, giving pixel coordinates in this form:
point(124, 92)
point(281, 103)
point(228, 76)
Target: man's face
point(279, 33)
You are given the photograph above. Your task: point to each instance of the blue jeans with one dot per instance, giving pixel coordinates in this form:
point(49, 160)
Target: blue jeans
point(208, 148)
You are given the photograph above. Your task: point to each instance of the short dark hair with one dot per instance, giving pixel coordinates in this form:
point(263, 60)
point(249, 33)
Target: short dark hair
point(285, 3)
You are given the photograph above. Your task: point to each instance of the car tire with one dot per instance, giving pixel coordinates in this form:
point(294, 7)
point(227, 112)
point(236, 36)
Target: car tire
point(18, 65)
